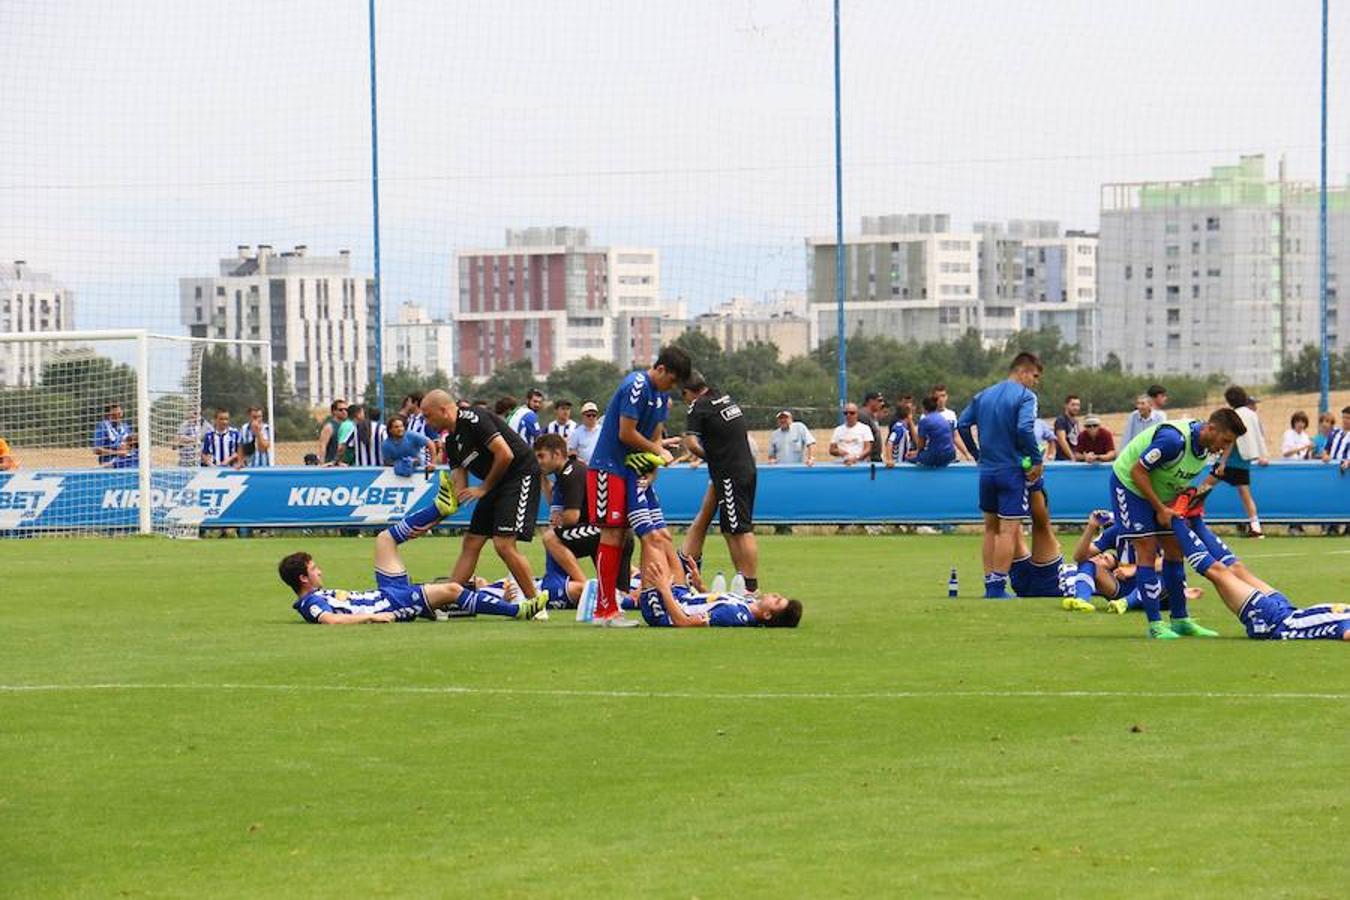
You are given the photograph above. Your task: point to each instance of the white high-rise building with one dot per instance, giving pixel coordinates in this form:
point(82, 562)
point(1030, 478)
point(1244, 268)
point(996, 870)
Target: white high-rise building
point(317, 314)
point(417, 342)
point(30, 302)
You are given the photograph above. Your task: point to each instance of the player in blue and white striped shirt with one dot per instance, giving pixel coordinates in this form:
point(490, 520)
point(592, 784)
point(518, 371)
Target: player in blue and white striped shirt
point(220, 444)
point(562, 425)
point(899, 442)
point(1338, 442)
point(524, 419)
point(255, 440)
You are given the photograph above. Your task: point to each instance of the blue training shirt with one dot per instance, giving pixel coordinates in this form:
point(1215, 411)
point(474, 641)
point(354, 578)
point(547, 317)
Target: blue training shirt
point(410, 446)
point(1005, 414)
point(635, 399)
point(936, 432)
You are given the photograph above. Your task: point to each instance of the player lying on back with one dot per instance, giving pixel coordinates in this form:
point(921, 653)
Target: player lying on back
point(394, 599)
point(1105, 567)
point(1267, 614)
point(666, 604)
point(1038, 572)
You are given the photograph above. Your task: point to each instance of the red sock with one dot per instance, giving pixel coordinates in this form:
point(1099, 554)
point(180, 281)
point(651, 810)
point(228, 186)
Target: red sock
point(607, 570)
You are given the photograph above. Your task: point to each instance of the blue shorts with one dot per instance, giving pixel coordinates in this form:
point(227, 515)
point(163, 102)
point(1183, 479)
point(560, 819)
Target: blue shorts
point(1134, 514)
point(654, 611)
point(1271, 617)
point(935, 460)
point(401, 593)
point(1003, 492)
point(1031, 579)
point(555, 583)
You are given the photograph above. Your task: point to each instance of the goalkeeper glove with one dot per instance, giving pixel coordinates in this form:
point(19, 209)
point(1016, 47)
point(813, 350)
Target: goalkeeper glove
point(643, 461)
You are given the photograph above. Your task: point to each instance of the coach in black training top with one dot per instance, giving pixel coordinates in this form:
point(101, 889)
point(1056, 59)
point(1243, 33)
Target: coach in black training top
point(479, 442)
point(716, 432)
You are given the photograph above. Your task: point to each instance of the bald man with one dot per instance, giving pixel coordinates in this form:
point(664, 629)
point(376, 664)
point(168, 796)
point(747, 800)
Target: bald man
point(478, 442)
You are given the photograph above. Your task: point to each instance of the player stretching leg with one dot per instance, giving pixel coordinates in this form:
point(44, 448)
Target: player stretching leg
point(1152, 470)
point(1004, 443)
point(620, 495)
point(1038, 572)
point(667, 605)
point(1267, 614)
point(395, 597)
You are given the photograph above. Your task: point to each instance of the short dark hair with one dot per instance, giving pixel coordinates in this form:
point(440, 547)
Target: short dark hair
point(221, 409)
point(1155, 389)
point(253, 409)
point(937, 387)
point(675, 361)
point(903, 410)
point(695, 381)
point(356, 409)
point(930, 403)
point(397, 417)
point(1026, 360)
point(534, 392)
point(110, 406)
point(1235, 396)
point(1345, 410)
point(292, 568)
point(1229, 421)
point(787, 617)
point(332, 407)
point(562, 404)
point(311, 459)
point(1070, 398)
point(1299, 416)
point(553, 443)
point(504, 405)
point(415, 397)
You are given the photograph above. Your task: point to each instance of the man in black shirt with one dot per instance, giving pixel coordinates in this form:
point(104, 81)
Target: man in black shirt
point(869, 414)
point(480, 443)
point(716, 432)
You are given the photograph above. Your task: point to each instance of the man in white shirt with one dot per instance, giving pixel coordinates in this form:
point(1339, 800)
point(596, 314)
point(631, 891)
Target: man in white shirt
point(1145, 416)
point(581, 442)
point(791, 443)
point(852, 441)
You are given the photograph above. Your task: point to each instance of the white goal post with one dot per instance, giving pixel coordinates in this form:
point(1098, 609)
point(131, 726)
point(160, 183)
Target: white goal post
point(105, 428)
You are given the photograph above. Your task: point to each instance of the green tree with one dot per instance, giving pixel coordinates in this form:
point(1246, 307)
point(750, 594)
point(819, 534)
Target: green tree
point(402, 382)
point(584, 379)
point(514, 378)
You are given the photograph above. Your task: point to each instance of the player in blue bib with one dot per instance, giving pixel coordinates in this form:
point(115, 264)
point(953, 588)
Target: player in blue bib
point(394, 599)
point(687, 610)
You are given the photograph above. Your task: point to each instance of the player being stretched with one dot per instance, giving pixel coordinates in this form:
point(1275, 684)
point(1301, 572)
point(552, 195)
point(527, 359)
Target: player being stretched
point(1105, 567)
point(677, 607)
point(1152, 470)
point(627, 451)
point(394, 599)
point(1038, 572)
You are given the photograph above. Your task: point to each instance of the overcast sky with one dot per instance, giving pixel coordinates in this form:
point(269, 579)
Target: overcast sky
point(140, 142)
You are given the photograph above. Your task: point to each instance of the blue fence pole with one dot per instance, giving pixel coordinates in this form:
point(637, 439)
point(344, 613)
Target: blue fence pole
point(1324, 402)
point(839, 254)
point(375, 215)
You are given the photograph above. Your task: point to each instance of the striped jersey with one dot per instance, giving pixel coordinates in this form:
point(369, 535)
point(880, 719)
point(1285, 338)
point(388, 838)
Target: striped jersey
point(899, 440)
point(258, 458)
point(219, 447)
point(1338, 444)
point(368, 440)
point(562, 429)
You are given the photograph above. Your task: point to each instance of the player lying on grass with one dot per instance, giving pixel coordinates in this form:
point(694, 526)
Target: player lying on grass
point(668, 605)
point(1038, 572)
point(1266, 613)
point(394, 599)
point(1105, 567)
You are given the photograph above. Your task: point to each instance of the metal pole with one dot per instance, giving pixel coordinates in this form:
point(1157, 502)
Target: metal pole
point(271, 405)
point(375, 213)
point(1324, 402)
point(839, 250)
point(145, 447)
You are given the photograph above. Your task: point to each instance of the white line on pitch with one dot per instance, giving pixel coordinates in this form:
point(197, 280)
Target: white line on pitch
point(458, 690)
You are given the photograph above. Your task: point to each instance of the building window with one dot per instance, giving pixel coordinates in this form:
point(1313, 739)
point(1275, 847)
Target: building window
point(1148, 271)
point(1148, 293)
point(1129, 272)
point(1212, 223)
point(1174, 317)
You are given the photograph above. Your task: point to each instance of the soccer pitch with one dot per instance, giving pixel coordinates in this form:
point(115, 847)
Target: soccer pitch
point(171, 727)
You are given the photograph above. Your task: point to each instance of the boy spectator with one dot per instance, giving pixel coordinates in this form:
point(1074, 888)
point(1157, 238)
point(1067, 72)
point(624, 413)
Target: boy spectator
point(7, 461)
point(1297, 443)
point(1095, 443)
point(366, 438)
point(935, 447)
point(1326, 423)
point(403, 449)
point(255, 448)
point(939, 393)
point(791, 443)
point(327, 449)
point(220, 444)
point(581, 442)
point(900, 440)
point(1338, 443)
point(1157, 395)
point(114, 444)
point(1066, 428)
point(562, 424)
point(851, 441)
point(188, 441)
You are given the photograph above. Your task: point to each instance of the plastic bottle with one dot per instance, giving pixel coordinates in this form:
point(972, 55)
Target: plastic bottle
point(953, 586)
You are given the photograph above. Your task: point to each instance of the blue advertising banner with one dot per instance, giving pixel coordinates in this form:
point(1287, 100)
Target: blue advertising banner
point(353, 497)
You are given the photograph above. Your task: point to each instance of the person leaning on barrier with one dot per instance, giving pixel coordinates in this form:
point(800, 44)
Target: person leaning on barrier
point(791, 443)
point(114, 442)
point(327, 449)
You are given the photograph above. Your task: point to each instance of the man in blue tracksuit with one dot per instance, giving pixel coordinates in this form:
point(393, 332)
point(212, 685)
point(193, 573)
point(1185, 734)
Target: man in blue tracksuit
point(1004, 443)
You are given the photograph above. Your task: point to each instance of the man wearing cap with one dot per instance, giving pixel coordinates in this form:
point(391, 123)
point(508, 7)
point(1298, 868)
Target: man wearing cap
point(868, 414)
point(791, 443)
point(581, 442)
point(1095, 443)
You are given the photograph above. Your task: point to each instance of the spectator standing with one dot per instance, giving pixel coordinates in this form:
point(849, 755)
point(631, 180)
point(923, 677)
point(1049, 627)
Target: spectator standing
point(255, 448)
point(1157, 395)
point(1326, 423)
point(868, 415)
point(1066, 428)
point(1145, 416)
point(7, 461)
point(327, 450)
point(114, 442)
point(939, 393)
point(791, 443)
point(1044, 430)
point(999, 429)
point(900, 441)
point(581, 443)
point(220, 444)
point(403, 449)
point(1235, 466)
point(1095, 443)
point(562, 424)
point(935, 447)
point(1338, 442)
point(1297, 443)
point(524, 419)
point(188, 441)
point(852, 441)
point(367, 438)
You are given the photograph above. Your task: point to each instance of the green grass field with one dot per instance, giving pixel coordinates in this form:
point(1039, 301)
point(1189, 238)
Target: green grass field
point(187, 735)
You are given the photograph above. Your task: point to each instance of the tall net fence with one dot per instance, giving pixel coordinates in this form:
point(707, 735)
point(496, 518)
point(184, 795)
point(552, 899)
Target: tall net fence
point(564, 181)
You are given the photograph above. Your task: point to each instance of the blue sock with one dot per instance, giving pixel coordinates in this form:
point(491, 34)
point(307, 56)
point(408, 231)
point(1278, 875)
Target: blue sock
point(1086, 582)
point(404, 529)
point(1133, 600)
point(476, 602)
point(996, 585)
point(627, 602)
point(1174, 580)
point(1150, 592)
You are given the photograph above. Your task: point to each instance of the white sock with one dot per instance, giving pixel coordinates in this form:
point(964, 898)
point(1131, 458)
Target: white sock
point(1255, 523)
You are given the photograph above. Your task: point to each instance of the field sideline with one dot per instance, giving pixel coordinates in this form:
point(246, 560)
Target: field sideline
point(170, 727)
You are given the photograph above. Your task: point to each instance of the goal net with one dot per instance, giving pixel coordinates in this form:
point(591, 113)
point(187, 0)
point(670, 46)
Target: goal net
point(104, 431)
